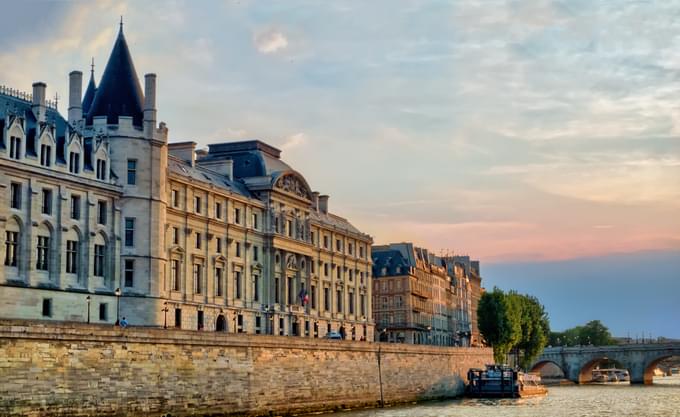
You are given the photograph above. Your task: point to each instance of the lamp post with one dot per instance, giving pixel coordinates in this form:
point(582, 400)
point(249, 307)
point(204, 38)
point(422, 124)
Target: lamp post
point(87, 300)
point(165, 314)
point(382, 398)
point(117, 292)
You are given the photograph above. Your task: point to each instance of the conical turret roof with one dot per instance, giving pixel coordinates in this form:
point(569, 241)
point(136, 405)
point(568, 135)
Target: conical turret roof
point(89, 93)
point(119, 92)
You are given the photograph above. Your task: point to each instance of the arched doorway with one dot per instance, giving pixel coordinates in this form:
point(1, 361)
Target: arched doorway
point(221, 324)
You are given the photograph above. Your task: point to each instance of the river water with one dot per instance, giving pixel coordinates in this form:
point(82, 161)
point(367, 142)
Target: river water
point(660, 399)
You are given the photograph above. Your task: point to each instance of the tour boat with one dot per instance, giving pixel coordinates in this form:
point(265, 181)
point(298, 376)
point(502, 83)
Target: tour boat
point(503, 381)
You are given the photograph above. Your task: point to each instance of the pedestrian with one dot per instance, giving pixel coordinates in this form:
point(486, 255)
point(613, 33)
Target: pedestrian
point(123, 323)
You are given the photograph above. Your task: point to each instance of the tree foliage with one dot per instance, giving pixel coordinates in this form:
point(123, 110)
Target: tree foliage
point(513, 321)
point(592, 333)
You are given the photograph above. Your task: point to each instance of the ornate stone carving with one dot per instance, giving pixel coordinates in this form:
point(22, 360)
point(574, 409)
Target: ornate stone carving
point(292, 184)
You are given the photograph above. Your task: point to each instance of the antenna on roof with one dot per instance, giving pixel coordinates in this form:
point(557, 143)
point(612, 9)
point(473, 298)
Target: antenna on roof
point(92, 66)
point(56, 100)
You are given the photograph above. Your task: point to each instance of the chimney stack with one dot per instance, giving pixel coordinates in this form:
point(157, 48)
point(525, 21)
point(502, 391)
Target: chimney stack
point(315, 200)
point(323, 204)
point(149, 104)
point(75, 97)
point(38, 106)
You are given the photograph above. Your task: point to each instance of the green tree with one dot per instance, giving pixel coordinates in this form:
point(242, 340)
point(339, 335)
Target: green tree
point(498, 318)
point(535, 328)
point(592, 333)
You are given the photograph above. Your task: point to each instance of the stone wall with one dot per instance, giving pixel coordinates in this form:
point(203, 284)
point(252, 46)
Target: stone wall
point(49, 369)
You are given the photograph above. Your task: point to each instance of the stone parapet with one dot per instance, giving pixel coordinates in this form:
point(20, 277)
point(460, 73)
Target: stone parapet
point(50, 369)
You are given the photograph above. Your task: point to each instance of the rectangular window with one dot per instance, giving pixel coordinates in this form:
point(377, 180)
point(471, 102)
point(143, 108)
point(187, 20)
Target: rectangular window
point(174, 275)
point(277, 290)
point(363, 304)
point(218, 245)
point(129, 231)
point(46, 201)
point(103, 312)
point(238, 249)
point(350, 248)
point(258, 324)
point(42, 262)
point(338, 272)
point(237, 284)
point(326, 299)
point(71, 257)
point(219, 283)
point(325, 242)
point(129, 272)
point(197, 204)
point(289, 227)
point(15, 147)
point(237, 215)
point(254, 221)
point(201, 319)
point(325, 269)
point(45, 155)
point(47, 307)
point(198, 271)
point(175, 235)
point(351, 302)
point(239, 321)
point(312, 237)
point(218, 210)
point(256, 253)
point(132, 171)
point(101, 169)
point(174, 198)
point(11, 246)
point(282, 325)
point(15, 195)
point(256, 288)
point(99, 260)
point(198, 240)
point(74, 163)
point(75, 207)
point(361, 252)
point(178, 317)
point(291, 291)
point(101, 212)
point(313, 296)
point(276, 224)
point(338, 245)
point(338, 294)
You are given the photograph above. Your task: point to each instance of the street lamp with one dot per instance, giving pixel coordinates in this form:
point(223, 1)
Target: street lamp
point(165, 314)
point(87, 300)
point(117, 292)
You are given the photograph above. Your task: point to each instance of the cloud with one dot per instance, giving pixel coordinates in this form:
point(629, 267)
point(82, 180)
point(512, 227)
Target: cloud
point(270, 41)
point(293, 141)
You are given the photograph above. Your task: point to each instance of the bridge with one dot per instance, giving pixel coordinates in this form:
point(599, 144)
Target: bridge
point(578, 362)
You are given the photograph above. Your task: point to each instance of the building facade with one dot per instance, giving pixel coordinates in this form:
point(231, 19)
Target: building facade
point(105, 219)
point(421, 298)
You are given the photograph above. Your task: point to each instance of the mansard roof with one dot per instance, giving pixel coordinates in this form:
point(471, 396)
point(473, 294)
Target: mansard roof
point(119, 92)
point(203, 175)
point(252, 158)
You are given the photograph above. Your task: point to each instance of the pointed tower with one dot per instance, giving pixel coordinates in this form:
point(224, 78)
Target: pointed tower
point(90, 92)
point(126, 118)
point(119, 92)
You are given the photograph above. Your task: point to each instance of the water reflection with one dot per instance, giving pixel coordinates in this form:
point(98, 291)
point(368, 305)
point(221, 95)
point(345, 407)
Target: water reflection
point(661, 399)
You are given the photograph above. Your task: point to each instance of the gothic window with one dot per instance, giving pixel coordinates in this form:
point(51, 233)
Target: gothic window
point(74, 163)
point(11, 248)
point(71, 256)
point(45, 155)
point(99, 252)
point(15, 196)
point(43, 253)
point(101, 169)
point(15, 147)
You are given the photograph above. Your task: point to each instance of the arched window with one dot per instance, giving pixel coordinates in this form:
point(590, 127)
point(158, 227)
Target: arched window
point(43, 248)
point(12, 243)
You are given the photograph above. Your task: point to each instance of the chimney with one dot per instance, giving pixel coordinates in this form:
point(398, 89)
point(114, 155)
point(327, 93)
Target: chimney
point(315, 200)
point(75, 96)
point(149, 105)
point(323, 204)
point(223, 166)
point(38, 106)
point(185, 151)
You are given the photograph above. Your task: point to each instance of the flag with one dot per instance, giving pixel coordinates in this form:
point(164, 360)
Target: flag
point(304, 298)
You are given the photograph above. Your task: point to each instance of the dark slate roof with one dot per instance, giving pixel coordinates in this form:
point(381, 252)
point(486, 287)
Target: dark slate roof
point(119, 92)
point(89, 94)
point(252, 158)
point(390, 259)
point(22, 108)
point(200, 174)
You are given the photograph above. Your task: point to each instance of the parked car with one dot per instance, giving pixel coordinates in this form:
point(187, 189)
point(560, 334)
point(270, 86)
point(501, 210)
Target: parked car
point(333, 335)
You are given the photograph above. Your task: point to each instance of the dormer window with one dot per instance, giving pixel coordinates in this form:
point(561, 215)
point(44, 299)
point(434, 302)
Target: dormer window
point(74, 163)
point(45, 155)
point(15, 147)
point(101, 169)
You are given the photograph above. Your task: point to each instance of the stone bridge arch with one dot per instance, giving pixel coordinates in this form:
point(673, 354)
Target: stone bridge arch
point(539, 366)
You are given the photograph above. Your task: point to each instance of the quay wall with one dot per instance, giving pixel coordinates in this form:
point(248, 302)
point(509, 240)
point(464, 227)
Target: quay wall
point(59, 369)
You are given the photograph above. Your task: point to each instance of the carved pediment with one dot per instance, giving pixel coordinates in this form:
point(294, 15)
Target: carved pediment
point(294, 184)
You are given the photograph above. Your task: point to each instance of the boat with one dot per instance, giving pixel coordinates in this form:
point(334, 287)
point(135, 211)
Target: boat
point(610, 375)
point(503, 381)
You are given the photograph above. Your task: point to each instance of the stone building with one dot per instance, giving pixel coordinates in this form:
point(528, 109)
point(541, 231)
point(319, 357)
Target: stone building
point(106, 219)
point(421, 298)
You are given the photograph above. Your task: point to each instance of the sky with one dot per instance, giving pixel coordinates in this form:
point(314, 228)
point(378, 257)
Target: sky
point(538, 136)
